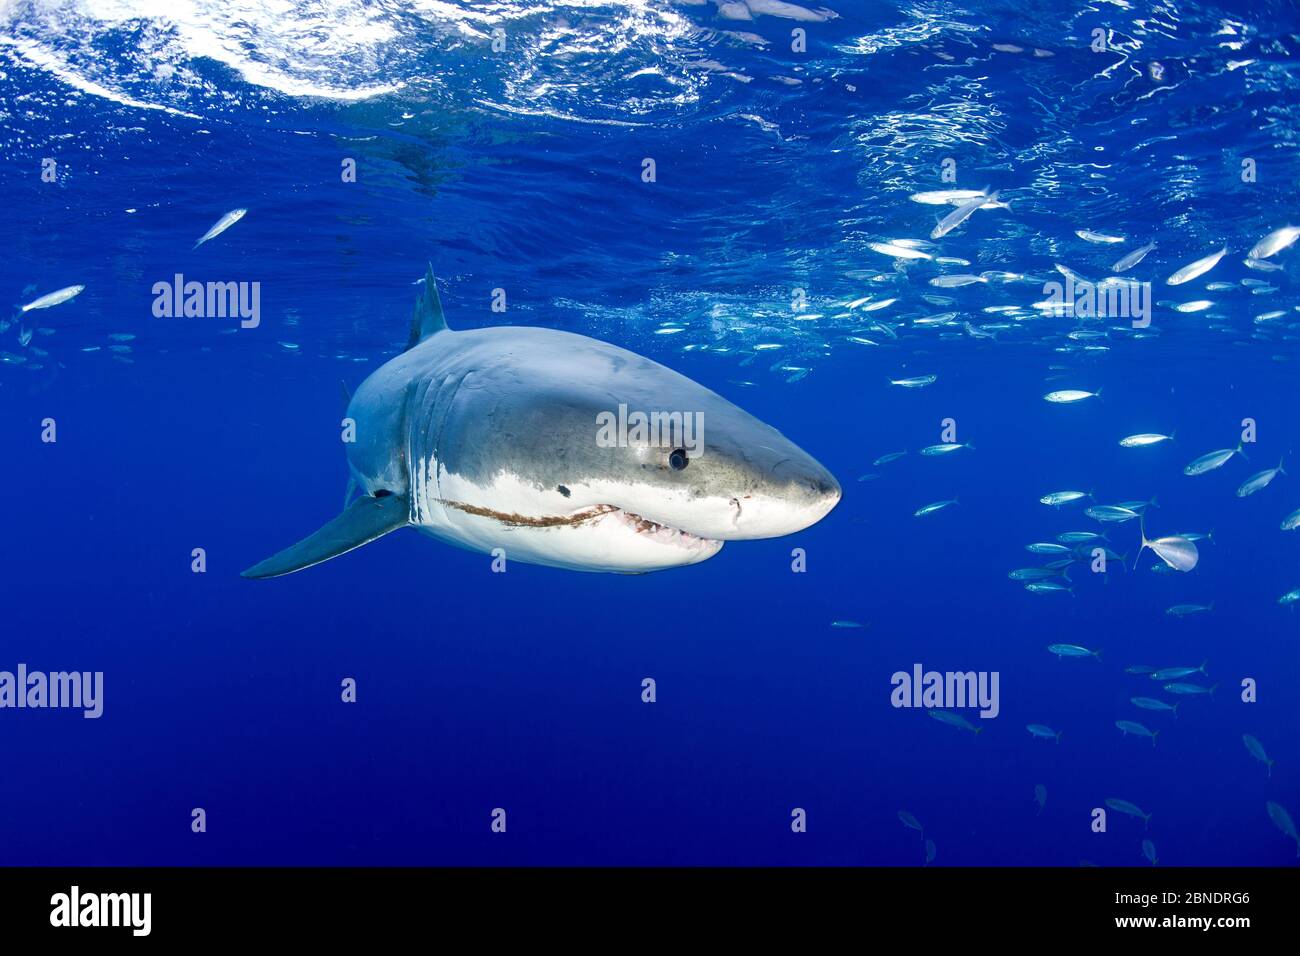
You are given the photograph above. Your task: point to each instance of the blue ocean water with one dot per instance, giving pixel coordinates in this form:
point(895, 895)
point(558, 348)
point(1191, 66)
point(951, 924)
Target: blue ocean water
point(506, 144)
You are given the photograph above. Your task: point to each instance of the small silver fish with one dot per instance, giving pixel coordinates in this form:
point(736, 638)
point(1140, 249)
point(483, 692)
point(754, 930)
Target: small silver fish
point(1048, 587)
point(1274, 242)
point(1110, 513)
point(1133, 727)
point(1079, 537)
point(946, 448)
point(1058, 498)
point(1031, 574)
point(1072, 650)
point(897, 251)
point(1174, 673)
point(54, 298)
point(1282, 820)
point(1133, 258)
point(1068, 396)
point(1182, 610)
point(932, 508)
point(945, 197)
point(1149, 848)
point(1259, 480)
point(1047, 547)
point(918, 381)
point(1151, 703)
point(221, 225)
point(1144, 439)
point(1212, 460)
point(954, 720)
point(1198, 268)
point(1175, 551)
point(1132, 809)
point(1088, 235)
point(959, 215)
point(1257, 751)
point(955, 282)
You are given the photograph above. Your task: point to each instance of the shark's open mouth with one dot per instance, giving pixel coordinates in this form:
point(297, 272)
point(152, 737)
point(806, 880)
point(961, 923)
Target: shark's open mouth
point(653, 529)
point(659, 532)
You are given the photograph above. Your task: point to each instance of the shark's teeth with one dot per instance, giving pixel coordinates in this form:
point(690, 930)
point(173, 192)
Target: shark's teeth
point(658, 531)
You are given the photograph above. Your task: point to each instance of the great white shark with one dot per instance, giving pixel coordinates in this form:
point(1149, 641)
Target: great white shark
point(490, 439)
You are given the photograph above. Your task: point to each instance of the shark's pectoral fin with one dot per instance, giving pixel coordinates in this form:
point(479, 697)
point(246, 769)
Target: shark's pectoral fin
point(364, 520)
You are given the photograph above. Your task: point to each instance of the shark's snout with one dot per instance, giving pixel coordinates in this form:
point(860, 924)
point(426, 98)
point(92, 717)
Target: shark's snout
point(795, 494)
point(807, 474)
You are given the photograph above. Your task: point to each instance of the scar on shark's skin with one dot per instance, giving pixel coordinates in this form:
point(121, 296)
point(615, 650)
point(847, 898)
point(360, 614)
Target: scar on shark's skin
point(547, 521)
point(639, 523)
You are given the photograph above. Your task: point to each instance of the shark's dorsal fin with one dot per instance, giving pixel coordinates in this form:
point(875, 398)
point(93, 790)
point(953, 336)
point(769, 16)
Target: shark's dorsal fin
point(428, 319)
point(363, 521)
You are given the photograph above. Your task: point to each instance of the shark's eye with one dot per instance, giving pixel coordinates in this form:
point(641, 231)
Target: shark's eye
point(678, 460)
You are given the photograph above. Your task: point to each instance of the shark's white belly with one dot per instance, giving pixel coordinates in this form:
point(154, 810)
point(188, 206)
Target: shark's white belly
point(608, 542)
